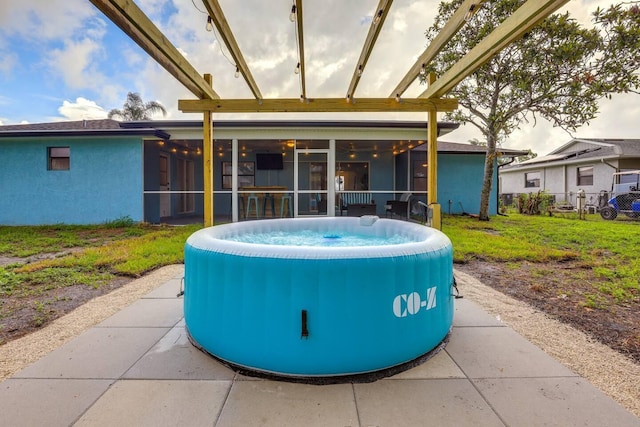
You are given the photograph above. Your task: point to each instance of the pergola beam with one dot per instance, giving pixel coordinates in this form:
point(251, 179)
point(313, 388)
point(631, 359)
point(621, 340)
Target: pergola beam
point(309, 105)
point(126, 15)
point(522, 20)
point(220, 21)
point(374, 30)
point(457, 20)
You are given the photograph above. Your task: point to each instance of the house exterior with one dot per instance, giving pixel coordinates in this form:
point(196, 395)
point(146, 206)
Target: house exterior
point(580, 164)
point(88, 172)
point(71, 172)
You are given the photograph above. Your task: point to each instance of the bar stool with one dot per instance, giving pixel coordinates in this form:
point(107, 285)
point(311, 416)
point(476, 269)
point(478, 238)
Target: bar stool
point(287, 198)
point(268, 198)
point(252, 198)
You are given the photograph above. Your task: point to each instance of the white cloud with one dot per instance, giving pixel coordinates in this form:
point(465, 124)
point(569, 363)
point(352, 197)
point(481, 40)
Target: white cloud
point(82, 109)
point(44, 19)
point(75, 63)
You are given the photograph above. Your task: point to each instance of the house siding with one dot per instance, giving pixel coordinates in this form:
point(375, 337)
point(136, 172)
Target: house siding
point(560, 181)
point(103, 183)
point(460, 183)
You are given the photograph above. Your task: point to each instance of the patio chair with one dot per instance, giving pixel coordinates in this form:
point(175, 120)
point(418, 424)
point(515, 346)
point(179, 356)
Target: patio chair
point(399, 207)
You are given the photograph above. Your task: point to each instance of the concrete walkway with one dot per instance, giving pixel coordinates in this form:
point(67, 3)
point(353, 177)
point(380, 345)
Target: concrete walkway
point(137, 368)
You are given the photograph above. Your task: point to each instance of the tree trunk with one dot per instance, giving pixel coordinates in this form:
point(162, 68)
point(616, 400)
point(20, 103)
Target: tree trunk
point(488, 178)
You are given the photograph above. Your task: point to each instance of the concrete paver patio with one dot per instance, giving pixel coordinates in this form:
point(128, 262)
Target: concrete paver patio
point(137, 368)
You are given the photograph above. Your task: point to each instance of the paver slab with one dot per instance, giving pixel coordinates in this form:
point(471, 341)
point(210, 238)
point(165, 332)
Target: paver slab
point(436, 402)
point(282, 404)
point(97, 353)
point(562, 402)
point(489, 352)
point(174, 357)
point(439, 366)
point(158, 403)
point(169, 289)
point(47, 402)
point(147, 313)
point(468, 313)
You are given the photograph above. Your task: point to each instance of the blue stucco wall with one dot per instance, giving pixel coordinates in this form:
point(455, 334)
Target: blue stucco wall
point(104, 181)
point(460, 180)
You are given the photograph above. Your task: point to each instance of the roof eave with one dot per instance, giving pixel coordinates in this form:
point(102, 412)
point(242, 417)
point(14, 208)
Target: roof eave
point(143, 132)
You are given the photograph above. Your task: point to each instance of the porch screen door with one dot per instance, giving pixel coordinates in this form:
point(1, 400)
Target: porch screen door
point(312, 182)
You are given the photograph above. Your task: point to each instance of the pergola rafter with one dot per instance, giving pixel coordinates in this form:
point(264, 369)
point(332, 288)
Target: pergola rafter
point(126, 15)
point(220, 21)
point(522, 20)
point(374, 30)
point(457, 20)
point(299, 21)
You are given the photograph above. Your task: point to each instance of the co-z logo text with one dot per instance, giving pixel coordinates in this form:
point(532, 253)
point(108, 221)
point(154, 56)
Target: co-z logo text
point(409, 304)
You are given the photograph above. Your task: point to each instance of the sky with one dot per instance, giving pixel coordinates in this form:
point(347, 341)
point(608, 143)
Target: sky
point(64, 60)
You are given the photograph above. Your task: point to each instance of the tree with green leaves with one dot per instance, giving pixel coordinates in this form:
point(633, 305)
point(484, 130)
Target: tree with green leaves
point(135, 109)
point(559, 70)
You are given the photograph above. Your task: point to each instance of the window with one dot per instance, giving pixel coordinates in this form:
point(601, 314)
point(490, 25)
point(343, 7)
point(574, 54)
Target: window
point(532, 179)
point(58, 158)
point(246, 174)
point(585, 175)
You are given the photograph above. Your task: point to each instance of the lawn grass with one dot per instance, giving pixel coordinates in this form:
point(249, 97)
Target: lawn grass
point(99, 254)
point(606, 248)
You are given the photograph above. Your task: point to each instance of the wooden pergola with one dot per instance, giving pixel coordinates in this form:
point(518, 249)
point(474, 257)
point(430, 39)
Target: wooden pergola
point(130, 18)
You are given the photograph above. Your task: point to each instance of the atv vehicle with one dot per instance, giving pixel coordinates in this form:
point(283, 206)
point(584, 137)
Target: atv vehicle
point(626, 196)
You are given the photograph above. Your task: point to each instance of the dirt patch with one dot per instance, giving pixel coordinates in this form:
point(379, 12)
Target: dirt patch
point(21, 352)
point(567, 291)
point(25, 314)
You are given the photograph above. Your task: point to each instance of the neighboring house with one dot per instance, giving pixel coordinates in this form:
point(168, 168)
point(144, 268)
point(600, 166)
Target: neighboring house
point(580, 164)
point(95, 171)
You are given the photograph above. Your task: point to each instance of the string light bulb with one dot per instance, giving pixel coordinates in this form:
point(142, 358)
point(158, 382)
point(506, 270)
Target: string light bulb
point(237, 73)
point(423, 70)
point(209, 26)
point(359, 70)
point(348, 98)
point(297, 70)
point(397, 97)
point(301, 98)
point(471, 12)
point(377, 18)
point(292, 15)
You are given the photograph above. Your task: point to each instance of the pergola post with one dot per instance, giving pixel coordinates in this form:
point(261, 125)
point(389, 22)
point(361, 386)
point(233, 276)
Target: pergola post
point(432, 162)
point(207, 149)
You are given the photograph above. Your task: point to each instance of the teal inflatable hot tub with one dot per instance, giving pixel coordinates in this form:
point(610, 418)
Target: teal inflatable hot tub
point(318, 297)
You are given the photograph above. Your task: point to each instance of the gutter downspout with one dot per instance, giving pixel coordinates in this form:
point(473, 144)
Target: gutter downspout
point(610, 165)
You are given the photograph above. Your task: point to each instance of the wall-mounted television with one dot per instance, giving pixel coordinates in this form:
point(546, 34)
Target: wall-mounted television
point(269, 161)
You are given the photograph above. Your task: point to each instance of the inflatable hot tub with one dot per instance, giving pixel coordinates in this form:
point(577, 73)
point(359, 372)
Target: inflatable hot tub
point(353, 296)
